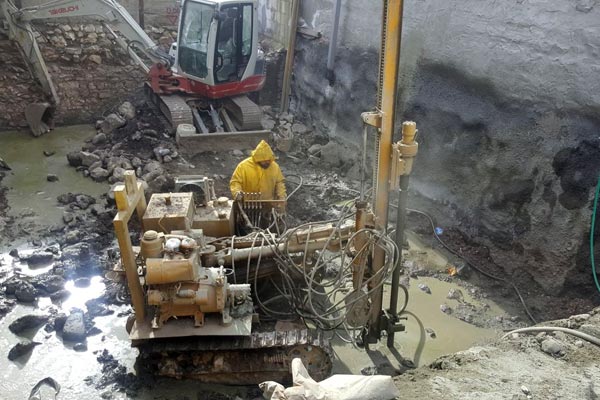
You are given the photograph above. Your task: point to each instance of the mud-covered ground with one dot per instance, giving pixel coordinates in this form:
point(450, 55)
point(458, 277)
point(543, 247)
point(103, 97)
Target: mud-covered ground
point(83, 246)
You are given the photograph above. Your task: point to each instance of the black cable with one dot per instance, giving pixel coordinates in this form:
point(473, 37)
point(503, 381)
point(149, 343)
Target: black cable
point(470, 264)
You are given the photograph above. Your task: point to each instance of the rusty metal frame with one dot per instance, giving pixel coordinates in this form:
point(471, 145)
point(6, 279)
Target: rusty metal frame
point(129, 198)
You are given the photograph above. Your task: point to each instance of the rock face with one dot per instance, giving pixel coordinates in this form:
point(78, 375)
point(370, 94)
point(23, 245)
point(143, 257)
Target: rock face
point(499, 158)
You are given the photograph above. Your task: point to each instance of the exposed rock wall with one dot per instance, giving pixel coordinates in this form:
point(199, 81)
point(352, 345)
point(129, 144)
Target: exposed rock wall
point(89, 69)
point(505, 95)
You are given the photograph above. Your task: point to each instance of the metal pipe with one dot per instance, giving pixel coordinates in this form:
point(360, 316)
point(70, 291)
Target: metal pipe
point(363, 166)
point(400, 226)
point(289, 58)
point(333, 43)
point(141, 13)
point(388, 89)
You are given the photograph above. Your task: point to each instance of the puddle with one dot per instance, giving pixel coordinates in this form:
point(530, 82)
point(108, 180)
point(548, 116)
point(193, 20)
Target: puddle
point(79, 295)
point(29, 192)
point(56, 359)
point(424, 314)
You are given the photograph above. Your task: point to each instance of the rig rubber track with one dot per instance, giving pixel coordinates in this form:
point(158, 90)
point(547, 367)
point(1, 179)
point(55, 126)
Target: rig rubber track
point(244, 360)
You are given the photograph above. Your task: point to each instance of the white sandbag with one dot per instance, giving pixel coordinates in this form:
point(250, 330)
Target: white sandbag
point(337, 387)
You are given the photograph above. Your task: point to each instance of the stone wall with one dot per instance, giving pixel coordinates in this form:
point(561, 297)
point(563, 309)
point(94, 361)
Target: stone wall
point(505, 95)
point(90, 71)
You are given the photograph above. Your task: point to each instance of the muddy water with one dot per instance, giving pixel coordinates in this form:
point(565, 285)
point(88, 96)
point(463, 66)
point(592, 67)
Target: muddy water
point(29, 190)
point(423, 315)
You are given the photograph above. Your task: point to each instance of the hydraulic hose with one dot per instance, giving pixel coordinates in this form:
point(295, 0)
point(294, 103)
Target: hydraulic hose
point(579, 334)
point(592, 229)
point(494, 277)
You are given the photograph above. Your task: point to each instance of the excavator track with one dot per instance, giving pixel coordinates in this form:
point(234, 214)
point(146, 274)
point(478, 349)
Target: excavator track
point(245, 360)
point(245, 113)
point(174, 107)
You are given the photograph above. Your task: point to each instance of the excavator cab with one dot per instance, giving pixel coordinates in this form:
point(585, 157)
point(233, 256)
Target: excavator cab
point(217, 45)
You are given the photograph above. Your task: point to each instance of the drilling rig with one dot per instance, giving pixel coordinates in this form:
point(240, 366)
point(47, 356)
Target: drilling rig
point(218, 307)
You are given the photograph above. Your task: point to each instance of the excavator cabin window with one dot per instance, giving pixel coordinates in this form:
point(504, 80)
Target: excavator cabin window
point(234, 42)
point(194, 42)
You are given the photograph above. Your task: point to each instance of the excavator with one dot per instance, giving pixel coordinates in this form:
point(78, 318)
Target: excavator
point(221, 304)
point(202, 82)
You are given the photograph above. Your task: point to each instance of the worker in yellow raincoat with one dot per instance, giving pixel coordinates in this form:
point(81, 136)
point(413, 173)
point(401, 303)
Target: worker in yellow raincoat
point(259, 173)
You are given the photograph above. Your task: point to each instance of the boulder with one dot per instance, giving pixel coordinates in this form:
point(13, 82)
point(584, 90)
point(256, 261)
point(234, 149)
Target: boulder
point(314, 149)
point(299, 128)
point(83, 201)
point(127, 110)
point(50, 283)
point(77, 252)
point(25, 292)
point(119, 174)
point(330, 154)
point(87, 158)
point(38, 257)
point(22, 348)
point(74, 328)
point(99, 139)
point(99, 174)
point(112, 122)
point(27, 322)
point(553, 347)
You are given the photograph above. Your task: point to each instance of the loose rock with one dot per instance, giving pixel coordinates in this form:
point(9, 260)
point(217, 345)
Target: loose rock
point(552, 347)
point(22, 348)
point(424, 288)
point(25, 292)
point(74, 328)
point(112, 122)
point(27, 322)
point(127, 110)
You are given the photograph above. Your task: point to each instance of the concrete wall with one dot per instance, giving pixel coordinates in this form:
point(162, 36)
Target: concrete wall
point(506, 97)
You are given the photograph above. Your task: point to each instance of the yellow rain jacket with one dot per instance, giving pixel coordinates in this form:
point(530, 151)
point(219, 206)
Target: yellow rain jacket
point(250, 177)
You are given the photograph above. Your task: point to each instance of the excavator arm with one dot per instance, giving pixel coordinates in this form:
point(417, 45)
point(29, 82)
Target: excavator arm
point(109, 12)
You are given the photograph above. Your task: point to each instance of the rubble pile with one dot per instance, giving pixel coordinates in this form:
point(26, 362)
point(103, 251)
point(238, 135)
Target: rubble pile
point(305, 143)
point(128, 140)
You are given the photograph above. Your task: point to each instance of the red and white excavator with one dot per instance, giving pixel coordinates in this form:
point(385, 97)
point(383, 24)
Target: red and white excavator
point(204, 79)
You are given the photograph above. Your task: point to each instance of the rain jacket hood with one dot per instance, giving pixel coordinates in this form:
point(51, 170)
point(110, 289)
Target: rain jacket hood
point(250, 177)
point(263, 152)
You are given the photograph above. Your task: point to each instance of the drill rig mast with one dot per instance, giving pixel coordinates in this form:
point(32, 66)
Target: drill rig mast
point(393, 165)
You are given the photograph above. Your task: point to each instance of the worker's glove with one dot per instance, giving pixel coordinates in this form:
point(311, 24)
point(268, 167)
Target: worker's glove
point(239, 196)
point(280, 209)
